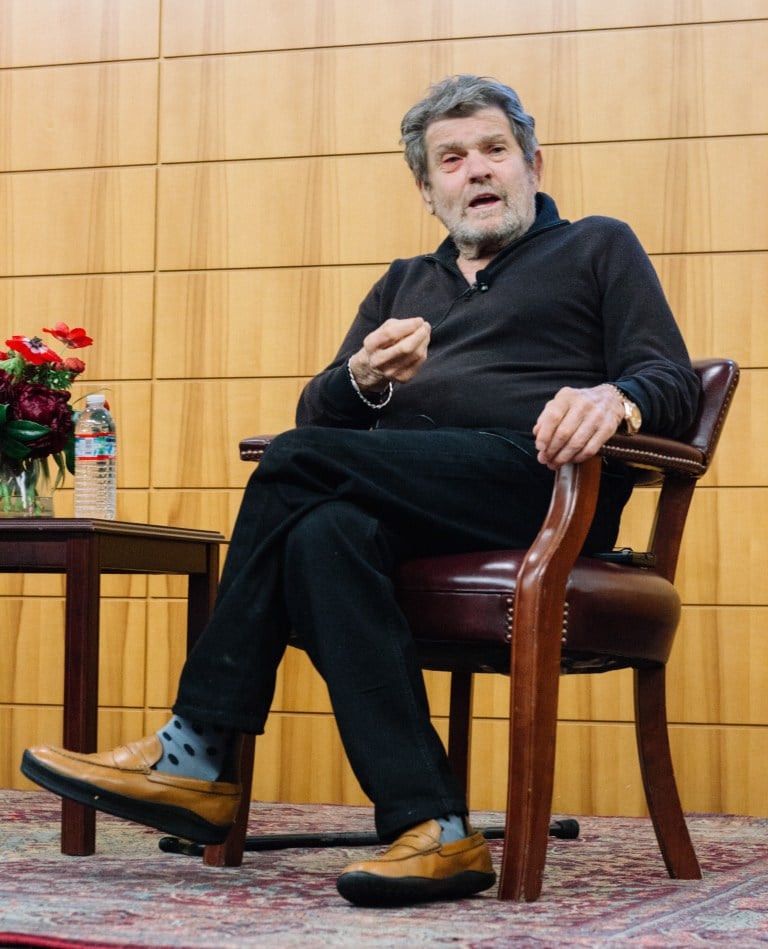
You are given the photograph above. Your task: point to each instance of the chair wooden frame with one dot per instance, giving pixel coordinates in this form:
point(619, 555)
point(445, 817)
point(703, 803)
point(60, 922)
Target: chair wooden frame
point(532, 650)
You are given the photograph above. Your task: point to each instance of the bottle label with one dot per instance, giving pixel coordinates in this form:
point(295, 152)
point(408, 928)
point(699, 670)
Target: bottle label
point(95, 446)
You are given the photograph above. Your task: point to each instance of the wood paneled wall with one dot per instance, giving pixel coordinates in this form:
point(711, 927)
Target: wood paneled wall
point(210, 187)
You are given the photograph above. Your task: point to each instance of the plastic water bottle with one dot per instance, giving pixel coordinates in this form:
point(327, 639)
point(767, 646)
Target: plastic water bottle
point(95, 461)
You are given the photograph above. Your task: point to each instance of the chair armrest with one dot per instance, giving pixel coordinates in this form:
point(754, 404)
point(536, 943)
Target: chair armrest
point(656, 453)
point(251, 449)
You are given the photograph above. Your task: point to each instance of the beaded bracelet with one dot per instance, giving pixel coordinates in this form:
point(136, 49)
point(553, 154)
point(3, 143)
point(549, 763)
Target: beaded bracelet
point(377, 406)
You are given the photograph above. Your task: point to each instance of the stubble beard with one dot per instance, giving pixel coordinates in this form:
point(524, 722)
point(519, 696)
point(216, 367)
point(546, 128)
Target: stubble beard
point(475, 241)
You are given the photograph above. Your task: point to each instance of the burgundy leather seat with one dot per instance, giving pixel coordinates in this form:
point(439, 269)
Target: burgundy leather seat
point(469, 600)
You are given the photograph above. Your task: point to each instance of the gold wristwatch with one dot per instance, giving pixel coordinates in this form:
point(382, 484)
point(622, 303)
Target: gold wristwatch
point(632, 417)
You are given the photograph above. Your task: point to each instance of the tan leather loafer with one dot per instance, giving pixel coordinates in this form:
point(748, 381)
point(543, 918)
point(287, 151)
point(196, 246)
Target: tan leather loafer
point(417, 868)
point(122, 782)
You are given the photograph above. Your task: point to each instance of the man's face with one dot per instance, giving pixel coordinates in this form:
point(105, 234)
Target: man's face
point(480, 186)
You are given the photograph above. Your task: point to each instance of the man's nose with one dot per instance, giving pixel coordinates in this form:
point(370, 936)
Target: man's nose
point(477, 165)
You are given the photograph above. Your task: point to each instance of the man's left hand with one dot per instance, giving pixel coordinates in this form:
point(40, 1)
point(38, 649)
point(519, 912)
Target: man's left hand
point(576, 423)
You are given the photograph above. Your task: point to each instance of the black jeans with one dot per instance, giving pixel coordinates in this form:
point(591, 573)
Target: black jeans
point(325, 519)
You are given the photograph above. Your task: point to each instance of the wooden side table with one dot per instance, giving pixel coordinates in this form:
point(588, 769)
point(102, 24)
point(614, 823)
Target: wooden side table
point(84, 549)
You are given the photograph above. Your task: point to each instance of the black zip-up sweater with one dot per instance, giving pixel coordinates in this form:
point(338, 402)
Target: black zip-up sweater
point(567, 304)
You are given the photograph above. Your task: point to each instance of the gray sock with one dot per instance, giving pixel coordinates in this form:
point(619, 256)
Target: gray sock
point(453, 827)
point(193, 749)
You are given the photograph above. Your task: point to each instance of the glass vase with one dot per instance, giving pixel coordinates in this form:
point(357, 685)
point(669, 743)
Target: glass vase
point(25, 489)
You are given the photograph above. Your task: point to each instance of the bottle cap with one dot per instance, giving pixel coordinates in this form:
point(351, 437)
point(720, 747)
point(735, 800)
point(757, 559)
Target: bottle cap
point(95, 399)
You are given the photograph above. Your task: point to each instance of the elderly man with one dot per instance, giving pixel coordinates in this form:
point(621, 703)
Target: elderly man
point(468, 376)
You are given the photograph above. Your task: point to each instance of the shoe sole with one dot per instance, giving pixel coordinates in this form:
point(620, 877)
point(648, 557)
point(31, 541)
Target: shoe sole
point(368, 889)
point(177, 821)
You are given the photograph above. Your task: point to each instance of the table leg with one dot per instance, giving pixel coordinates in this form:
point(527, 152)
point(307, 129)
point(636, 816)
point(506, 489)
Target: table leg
point(201, 595)
point(81, 682)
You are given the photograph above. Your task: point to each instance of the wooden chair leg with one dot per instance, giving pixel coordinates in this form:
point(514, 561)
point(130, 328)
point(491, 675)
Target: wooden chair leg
point(230, 853)
point(533, 725)
point(659, 777)
point(537, 626)
point(460, 725)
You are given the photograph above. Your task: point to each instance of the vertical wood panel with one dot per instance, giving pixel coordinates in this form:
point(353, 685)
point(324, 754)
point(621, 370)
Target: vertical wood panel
point(115, 310)
point(197, 427)
point(288, 213)
point(77, 222)
point(719, 302)
point(86, 116)
point(45, 32)
point(716, 181)
point(279, 322)
point(130, 402)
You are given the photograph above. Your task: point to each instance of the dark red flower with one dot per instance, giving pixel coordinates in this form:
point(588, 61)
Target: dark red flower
point(74, 365)
point(32, 349)
point(35, 403)
point(75, 338)
point(6, 388)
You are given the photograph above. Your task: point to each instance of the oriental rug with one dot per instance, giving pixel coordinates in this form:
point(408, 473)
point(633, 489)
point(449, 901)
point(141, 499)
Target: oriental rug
point(606, 888)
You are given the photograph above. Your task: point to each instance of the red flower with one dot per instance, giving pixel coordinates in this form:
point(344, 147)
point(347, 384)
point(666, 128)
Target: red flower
point(75, 338)
point(33, 350)
point(74, 365)
point(35, 403)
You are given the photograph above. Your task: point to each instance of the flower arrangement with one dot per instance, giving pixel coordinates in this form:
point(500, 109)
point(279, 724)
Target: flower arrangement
point(36, 418)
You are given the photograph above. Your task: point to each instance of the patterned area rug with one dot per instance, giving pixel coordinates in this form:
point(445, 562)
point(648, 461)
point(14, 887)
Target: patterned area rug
point(609, 887)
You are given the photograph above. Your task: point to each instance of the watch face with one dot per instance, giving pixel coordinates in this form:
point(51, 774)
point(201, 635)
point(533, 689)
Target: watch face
point(632, 415)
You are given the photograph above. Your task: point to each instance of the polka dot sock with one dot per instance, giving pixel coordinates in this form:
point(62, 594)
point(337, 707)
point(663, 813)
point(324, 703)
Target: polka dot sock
point(452, 827)
point(193, 749)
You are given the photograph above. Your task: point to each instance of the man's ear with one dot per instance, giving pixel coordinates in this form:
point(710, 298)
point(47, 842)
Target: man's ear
point(538, 166)
point(426, 195)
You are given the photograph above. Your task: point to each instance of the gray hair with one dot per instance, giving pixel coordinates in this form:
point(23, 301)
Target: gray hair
point(459, 97)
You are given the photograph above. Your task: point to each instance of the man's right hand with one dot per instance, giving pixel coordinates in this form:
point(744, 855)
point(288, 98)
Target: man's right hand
point(393, 352)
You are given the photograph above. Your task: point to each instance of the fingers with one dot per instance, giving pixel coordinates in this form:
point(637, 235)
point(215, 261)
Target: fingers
point(576, 424)
point(394, 351)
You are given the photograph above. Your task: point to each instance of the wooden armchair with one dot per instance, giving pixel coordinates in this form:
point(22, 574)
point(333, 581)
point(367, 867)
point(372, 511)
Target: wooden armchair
point(534, 614)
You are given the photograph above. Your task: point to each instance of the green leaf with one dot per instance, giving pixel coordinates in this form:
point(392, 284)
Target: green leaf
point(69, 454)
point(16, 436)
point(10, 448)
point(26, 431)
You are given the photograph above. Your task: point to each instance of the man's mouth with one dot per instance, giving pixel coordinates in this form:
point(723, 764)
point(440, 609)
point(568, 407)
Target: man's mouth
point(483, 200)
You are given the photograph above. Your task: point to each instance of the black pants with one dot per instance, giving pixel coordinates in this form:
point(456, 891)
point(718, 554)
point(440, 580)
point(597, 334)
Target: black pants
point(325, 519)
